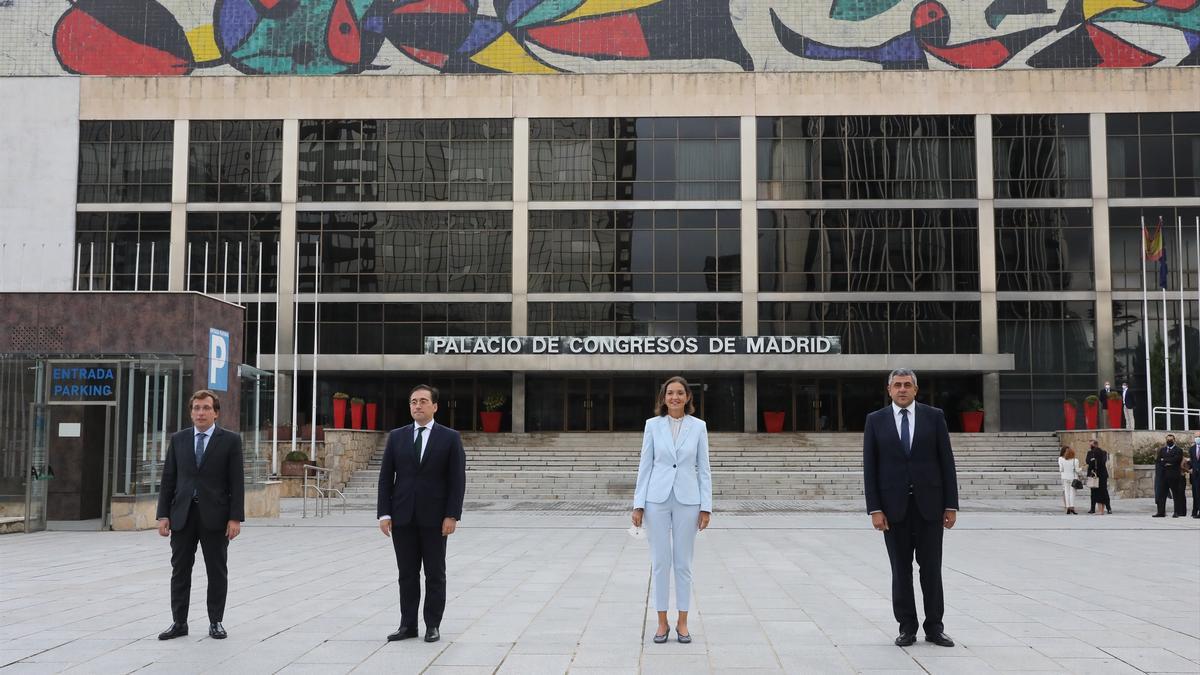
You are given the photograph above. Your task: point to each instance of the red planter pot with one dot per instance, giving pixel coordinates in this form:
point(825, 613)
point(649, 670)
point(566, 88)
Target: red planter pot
point(1114, 413)
point(1091, 412)
point(356, 411)
point(339, 413)
point(372, 416)
point(773, 421)
point(491, 421)
point(1070, 414)
point(972, 422)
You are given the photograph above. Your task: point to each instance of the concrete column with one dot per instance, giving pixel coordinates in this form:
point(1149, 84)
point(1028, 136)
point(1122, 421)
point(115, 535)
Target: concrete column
point(749, 231)
point(750, 402)
point(518, 403)
point(520, 233)
point(1101, 246)
point(989, 337)
point(290, 165)
point(176, 277)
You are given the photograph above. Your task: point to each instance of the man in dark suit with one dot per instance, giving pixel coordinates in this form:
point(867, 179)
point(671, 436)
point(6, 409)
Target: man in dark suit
point(421, 488)
point(912, 494)
point(201, 502)
point(1168, 476)
point(1194, 455)
point(1128, 402)
point(1102, 418)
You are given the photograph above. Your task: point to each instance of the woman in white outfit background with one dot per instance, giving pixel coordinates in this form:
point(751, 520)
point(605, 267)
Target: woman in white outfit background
point(1068, 472)
point(674, 496)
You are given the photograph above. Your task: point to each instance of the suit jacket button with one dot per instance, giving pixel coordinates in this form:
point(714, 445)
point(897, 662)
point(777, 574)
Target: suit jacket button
point(672, 466)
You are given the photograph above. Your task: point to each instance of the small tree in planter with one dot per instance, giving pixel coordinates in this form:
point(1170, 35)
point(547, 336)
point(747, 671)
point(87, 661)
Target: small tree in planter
point(339, 409)
point(293, 463)
point(971, 414)
point(1070, 413)
point(1091, 411)
point(492, 412)
point(356, 413)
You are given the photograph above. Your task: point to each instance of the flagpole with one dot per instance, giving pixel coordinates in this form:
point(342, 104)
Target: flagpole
point(1197, 282)
point(1145, 328)
point(1187, 418)
point(296, 353)
point(1166, 339)
point(275, 361)
point(312, 447)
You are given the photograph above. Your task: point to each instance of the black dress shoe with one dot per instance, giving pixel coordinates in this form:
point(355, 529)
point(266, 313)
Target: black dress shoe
point(176, 630)
point(906, 639)
point(216, 631)
point(1159, 515)
point(432, 634)
point(403, 633)
point(940, 639)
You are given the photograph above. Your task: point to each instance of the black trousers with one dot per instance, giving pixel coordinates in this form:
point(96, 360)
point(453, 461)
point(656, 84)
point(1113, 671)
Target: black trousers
point(1196, 491)
point(914, 535)
point(416, 547)
point(1175, 485)
point(215, 546)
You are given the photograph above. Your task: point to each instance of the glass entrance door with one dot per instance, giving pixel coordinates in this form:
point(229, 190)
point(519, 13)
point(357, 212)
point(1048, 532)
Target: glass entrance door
point(38, 487)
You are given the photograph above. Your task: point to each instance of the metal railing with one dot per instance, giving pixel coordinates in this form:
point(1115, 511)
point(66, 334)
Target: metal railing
point(1170, 412)
point(320, 481)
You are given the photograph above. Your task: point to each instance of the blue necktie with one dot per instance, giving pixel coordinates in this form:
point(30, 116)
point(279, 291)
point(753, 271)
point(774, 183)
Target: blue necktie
point(417, 443)
point(904, 437)
point(199, 448)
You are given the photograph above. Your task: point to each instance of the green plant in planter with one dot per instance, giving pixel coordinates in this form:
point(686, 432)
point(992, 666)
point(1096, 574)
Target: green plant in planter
point(1092, 400)
point(296, 456)
point(971, 405)
point(1145, 456)
point(341, 395)
point(357, 400)
point(494, 402)
point(1071, 402)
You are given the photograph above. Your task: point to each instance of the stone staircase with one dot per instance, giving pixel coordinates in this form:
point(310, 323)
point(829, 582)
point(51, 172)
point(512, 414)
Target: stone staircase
point(799, 466)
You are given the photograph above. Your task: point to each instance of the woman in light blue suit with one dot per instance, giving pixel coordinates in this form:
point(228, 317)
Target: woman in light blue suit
point(674, 495)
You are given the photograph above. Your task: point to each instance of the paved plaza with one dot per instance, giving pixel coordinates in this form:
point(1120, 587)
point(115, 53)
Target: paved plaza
point(560, 587)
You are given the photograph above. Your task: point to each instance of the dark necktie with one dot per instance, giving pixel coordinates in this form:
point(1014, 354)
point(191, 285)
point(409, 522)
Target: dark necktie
point(417, 443)
point(199, 448)
point(905, 440)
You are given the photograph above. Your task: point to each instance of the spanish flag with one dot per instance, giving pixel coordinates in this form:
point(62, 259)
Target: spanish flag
point(1154, 244)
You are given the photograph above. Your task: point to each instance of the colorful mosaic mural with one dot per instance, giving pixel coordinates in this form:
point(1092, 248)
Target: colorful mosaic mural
point(336, 37)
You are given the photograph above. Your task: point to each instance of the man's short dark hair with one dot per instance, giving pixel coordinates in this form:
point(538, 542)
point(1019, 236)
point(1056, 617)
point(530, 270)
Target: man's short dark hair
point(205, 393)
point(433, 392)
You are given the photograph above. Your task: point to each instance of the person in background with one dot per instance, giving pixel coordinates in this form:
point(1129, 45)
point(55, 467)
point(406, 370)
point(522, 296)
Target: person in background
point(1097, 467)
point(1068, 472)
point(1102, 418)
point(1194, 455)
point(1128, 403)
point(1168, 477)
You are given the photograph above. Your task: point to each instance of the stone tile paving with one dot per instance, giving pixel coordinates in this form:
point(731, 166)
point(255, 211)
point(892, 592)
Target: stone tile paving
point(794, 587)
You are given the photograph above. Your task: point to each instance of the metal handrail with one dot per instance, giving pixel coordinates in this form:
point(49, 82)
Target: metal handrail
point(320, 506)
point(1171, 411)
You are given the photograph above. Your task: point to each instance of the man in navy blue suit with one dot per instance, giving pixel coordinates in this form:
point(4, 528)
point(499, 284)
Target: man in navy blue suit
point(912, 494)
point(421, 488)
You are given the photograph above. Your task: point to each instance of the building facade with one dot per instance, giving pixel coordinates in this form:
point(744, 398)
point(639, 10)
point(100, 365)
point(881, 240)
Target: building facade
point(966, 202)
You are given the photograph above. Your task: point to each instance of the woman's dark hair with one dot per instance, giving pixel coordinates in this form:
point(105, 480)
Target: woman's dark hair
point(660, 403)
point(1066, 452)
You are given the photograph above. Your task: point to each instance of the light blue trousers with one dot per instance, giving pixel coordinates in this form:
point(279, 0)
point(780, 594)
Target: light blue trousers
point(672, 529)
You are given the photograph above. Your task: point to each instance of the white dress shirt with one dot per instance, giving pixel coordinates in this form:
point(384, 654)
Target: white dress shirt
point(424, 441)
point(912, 421)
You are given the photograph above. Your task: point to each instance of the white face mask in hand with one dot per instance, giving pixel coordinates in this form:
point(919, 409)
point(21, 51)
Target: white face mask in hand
point(636, 532)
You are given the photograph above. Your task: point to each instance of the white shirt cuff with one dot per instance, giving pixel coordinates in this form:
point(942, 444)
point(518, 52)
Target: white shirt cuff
point(874, 512)
point(385, 517)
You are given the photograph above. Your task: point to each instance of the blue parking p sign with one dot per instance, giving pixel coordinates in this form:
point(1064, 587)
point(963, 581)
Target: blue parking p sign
point(218, 359)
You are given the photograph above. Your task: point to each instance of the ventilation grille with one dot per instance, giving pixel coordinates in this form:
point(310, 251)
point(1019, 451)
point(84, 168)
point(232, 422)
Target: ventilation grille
point(40, 339)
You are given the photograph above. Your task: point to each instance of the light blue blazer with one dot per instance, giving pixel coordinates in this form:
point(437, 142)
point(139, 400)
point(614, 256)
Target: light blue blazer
point(680, 465)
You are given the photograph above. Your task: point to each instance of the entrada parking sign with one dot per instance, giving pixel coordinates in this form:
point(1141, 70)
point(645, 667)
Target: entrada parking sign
point(218, 359)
